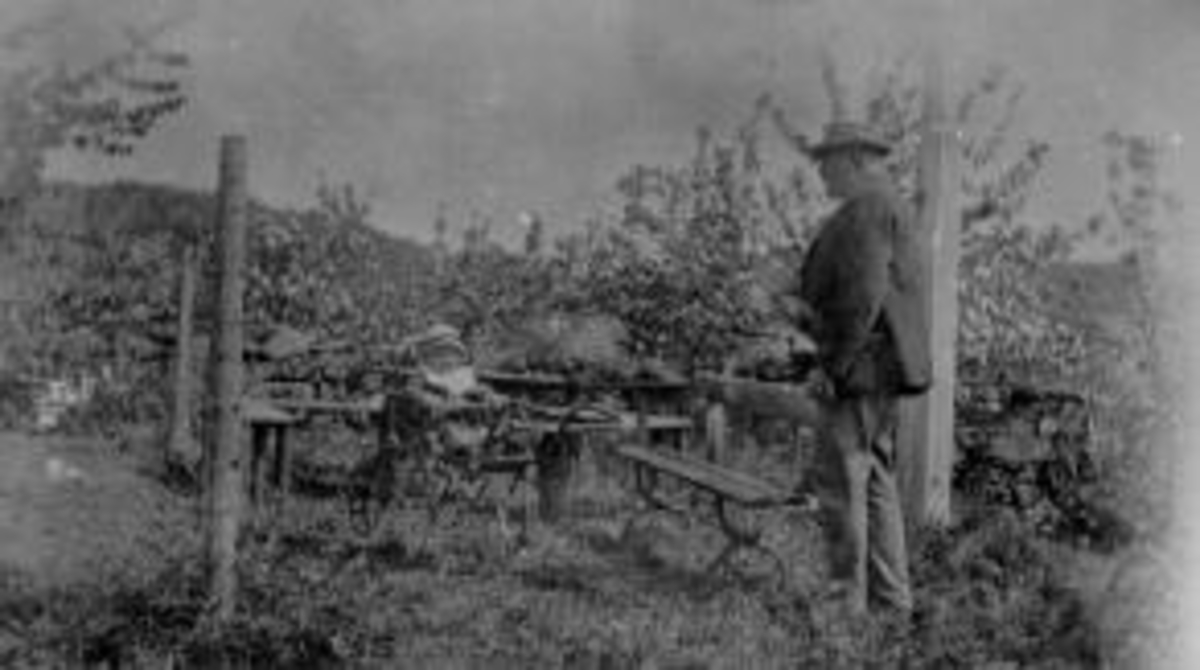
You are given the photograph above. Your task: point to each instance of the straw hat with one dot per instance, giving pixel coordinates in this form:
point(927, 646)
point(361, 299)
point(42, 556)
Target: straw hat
point(439, 338)
point(840, 135)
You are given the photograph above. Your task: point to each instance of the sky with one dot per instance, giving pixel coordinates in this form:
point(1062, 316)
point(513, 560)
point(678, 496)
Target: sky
point(507, 106)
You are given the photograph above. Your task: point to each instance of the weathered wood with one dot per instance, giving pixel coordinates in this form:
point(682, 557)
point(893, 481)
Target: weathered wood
point(304, 406)
point(227, 492)
point(180, 442)
point(723, 486)
point(739, 487)
point(926, 432)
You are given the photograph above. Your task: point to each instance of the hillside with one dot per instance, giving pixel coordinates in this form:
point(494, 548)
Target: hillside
point(108, 257)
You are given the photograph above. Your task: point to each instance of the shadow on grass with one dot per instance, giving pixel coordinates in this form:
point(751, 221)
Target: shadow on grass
point(389, 554)
point(634, 558)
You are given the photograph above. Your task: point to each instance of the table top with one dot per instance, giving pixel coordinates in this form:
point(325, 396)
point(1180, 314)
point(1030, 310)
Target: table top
point(328, 406)
point(288, 411)
point(265, 412)
point(623, 423)
point(551, 381)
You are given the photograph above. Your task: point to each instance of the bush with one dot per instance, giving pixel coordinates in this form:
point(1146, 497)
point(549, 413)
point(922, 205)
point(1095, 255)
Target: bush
point(16, 401)
point(991, 590)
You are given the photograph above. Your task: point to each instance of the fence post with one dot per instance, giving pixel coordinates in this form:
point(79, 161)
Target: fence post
point(181, 442)
point(226, 490)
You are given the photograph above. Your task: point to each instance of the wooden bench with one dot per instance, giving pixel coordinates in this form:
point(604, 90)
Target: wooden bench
point(724, 487)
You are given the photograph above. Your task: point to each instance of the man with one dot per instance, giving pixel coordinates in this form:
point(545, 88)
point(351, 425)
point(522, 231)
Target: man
point(862, 282)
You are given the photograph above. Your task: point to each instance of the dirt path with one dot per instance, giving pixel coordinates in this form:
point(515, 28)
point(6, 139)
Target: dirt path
point(74, 511)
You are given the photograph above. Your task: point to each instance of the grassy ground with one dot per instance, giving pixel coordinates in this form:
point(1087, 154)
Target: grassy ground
point(460, 593)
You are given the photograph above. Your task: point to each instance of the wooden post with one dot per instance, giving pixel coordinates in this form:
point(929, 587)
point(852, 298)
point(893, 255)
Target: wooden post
point(927, 423)
point(716, 431)
point(181, 442)
point(226, 491)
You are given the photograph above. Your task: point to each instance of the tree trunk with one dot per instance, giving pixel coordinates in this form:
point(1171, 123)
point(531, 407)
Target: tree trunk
point(226, 492)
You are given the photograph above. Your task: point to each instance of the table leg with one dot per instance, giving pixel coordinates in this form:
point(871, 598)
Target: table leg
point(258, 448)
point(556, 457)
point(741, 540)
point(283, 468)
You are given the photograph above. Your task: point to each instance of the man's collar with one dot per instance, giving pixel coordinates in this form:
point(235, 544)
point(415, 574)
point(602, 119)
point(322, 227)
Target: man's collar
point(873, 183)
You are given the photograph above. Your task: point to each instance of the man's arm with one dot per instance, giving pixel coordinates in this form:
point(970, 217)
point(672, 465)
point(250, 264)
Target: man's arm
point(790, 308)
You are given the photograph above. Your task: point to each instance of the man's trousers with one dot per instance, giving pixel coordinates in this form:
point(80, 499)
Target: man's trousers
point(855, 479)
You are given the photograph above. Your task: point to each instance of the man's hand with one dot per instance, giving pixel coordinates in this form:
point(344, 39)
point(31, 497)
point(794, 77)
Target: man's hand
point(797, 312)
point(820, 385)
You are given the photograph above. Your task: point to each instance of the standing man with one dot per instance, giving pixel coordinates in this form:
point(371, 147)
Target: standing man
point(862, 280)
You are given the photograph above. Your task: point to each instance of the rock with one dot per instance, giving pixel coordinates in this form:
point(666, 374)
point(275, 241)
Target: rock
point(59, 471)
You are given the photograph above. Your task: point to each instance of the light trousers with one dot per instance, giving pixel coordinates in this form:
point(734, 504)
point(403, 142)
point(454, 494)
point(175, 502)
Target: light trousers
point(855, 481)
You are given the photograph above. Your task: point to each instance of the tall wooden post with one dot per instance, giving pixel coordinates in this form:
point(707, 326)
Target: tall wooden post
point(927, 423)
point(181, 442)
point(927, 428)
point(226, 492)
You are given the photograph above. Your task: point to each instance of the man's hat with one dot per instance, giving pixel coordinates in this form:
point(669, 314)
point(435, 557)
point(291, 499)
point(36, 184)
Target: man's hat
point(439, 338)
point(440, 331)
point(841, 135)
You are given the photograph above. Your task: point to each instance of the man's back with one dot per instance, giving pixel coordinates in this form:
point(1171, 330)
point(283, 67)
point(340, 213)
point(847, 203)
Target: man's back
point(864, 279)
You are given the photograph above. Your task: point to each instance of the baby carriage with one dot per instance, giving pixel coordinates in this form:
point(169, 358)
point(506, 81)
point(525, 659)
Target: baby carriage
point(451, 432)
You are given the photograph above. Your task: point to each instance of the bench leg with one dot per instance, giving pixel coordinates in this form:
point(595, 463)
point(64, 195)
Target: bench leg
point(740, 540)
point(651, 503)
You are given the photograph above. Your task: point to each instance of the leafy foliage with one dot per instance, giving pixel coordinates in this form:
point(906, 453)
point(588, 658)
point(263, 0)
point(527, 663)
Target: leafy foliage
point(106, 106)
point(690, 261)
point(683, 265)
point(1003, 318)
point(326, 271)
point(113, 304)
point(487, 290)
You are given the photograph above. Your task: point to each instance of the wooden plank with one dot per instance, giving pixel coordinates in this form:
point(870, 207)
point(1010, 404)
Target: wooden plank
point(302, 406)
point(265, 412)
point(500, 378)
point(564, 382)
point(706, 476)
point(627, 422)
point(738, 486)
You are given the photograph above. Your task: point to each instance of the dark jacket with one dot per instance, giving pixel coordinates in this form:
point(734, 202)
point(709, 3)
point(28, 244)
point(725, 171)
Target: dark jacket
point(864, 278)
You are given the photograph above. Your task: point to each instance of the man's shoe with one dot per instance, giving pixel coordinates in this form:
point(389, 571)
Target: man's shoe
point(846, 597)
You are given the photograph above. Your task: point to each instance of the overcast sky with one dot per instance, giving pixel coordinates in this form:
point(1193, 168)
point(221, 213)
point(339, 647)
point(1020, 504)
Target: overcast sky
point(506, 105)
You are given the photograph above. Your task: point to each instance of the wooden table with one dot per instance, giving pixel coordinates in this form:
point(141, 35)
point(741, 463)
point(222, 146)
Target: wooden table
point(269, 426)
point(270, 421)
point(560, 442)
point(658, 413)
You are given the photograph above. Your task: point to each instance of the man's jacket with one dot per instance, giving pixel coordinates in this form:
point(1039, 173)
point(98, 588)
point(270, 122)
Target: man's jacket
point(864, 278)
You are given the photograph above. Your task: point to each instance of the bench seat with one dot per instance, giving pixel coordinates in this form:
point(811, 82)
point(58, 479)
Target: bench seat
point(744, 489)
point(725, 486)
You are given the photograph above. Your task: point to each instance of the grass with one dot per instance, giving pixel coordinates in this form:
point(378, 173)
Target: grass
point(460, 594)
